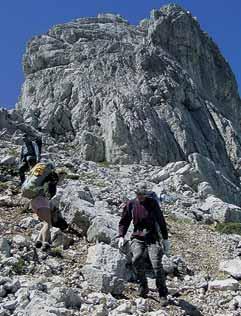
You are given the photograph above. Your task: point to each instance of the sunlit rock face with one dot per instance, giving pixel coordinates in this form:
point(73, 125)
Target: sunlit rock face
point(152, 93)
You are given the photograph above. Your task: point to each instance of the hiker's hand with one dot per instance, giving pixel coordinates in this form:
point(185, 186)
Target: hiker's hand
point(121, 242)
point(166, 247)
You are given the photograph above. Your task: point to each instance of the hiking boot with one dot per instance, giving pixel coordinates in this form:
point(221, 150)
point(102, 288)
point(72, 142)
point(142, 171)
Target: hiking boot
point(38, 244)
point(163, 301)
point(46, 246)
point(143, 291)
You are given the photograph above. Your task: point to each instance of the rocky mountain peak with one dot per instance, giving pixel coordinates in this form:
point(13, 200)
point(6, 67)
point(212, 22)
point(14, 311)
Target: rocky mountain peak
point(153, 93)
point(175, 30)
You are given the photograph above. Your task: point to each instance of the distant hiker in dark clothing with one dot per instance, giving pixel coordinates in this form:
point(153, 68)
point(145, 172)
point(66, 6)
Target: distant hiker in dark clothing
point(30, 155)
point(149, 230)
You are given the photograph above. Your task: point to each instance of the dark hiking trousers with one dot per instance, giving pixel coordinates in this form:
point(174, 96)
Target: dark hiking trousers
point(155, 252)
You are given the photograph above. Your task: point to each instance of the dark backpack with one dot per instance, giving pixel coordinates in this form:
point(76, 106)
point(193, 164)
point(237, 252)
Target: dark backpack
point(153, 195)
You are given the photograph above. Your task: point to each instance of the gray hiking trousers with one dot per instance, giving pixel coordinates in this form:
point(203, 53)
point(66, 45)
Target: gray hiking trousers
point(155, 252)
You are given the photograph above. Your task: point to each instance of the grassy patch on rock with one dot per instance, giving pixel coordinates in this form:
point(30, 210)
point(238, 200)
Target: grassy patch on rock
point(57, 252)
point(90, 178)
point(183, 220)
point(229, 228)
point(19, 267)
point(104, 164)
point(3, 186)
point(13, 152)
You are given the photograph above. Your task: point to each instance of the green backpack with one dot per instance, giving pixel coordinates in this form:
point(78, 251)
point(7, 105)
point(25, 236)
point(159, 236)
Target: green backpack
point(33, 185)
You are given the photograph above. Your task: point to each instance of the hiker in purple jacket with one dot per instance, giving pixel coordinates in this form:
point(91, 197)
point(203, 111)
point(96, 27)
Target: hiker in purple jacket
point(149, 229)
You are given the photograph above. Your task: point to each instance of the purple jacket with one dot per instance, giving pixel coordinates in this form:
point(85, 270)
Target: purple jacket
point(144, 215)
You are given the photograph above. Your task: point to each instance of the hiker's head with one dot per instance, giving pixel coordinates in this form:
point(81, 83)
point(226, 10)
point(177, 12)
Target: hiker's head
point(141, 191)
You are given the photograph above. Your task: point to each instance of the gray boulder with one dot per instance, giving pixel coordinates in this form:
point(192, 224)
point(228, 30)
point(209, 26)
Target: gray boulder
point(40, 305)
point(12, 286)
point(59, 301)
point(20, 241)
point(28, 222)
point(10, 305)
point(3, 292)
point(79, 213)
point(8, 161)
point(223, 187)
point(59, 238)
point(68, 296)
point(104, 229)
point(76, 204)
point(105, 269)
point(204, 190)
point(220, 211)
point(74, 190)
point(168, 171)
point(224, 285)
point(232, 267)
point(5, 248)
point(201, 176)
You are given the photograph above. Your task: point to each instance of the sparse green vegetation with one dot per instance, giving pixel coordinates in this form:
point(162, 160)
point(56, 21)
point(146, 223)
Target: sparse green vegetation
point(187, 221)
point(19, 267)
point(90, 178)
point(57, 252)
point(104, 164)
point(100, 183)
point(87, 176)
point(229, 228)
point(72, 176)
point(221, 275)
point(62, 171)
point(3, 186)
point(65, 173)
point(13, 152)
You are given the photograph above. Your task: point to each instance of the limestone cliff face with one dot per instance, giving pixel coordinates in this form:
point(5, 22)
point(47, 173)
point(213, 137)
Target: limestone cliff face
point(151, 93)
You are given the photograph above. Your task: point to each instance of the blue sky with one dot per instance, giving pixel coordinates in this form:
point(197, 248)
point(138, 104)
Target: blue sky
point(22, 19)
